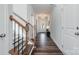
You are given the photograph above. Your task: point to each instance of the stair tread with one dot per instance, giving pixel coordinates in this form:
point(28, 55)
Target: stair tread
point(27, 49)
point(39, 53)
point(12, 52)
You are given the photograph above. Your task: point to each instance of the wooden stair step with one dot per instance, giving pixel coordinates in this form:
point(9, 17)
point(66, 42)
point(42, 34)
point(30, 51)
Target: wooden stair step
point(46, 50)
point(39, 53)
point(48, 44)
point(12, 52)
point(27, 49)
point(47, 47)
point(46, 41)
point(25, 52)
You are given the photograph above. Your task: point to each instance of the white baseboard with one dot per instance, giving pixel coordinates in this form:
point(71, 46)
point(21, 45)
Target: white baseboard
point(73, 51)
point(60, 47)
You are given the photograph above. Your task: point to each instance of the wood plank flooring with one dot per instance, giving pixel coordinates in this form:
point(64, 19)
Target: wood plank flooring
point(45, 46)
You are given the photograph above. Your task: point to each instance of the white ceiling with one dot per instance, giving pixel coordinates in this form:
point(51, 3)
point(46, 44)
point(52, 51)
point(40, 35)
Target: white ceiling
point(42, 8)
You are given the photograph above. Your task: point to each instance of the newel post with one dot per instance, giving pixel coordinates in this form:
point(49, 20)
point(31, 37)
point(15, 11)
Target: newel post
point(27, 33)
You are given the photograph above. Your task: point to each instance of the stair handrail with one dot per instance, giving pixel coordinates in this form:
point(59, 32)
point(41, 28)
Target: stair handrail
point(13, 18)
point(22, 19)
point(19, 17)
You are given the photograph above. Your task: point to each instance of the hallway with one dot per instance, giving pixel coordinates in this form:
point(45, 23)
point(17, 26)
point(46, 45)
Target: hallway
point(24, 26)
point(45, 46)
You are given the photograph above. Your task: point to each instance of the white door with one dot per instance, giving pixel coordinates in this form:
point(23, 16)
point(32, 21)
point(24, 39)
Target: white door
point(4, 21)
point(77, 29)
point(69, 28)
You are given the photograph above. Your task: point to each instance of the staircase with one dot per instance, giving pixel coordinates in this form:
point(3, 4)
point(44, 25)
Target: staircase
point(45, 47)
point(21, 29)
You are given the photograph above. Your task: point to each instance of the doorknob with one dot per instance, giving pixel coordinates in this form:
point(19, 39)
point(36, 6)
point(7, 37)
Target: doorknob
point(77, 33)
point(2, 35)
point(77, 28)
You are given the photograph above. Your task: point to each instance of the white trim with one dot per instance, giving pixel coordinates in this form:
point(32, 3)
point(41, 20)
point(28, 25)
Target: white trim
point(60, 47)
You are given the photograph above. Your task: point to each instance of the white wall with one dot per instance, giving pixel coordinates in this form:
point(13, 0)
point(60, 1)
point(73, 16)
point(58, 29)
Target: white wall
point(31, 20)
point(56, 25)
point(21, 10)
point(26, 12)
point(9, 26)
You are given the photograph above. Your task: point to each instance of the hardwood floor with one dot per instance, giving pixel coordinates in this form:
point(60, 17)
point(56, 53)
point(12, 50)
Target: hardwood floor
point(45, 46)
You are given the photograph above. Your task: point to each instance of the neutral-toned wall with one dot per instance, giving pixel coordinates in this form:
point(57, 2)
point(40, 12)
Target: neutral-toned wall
point(9, 26)
point(21, 10)
point(56, 25)
point(26, 12)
